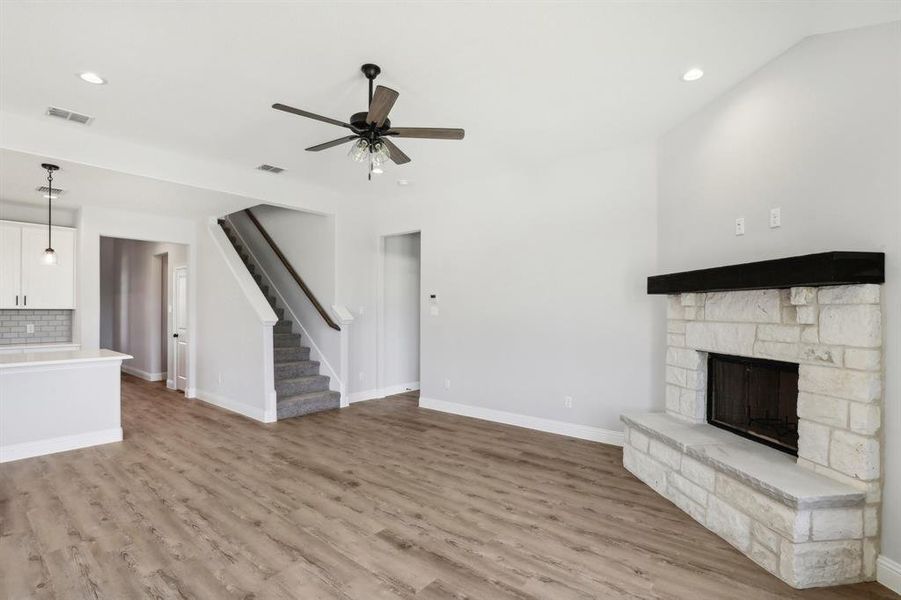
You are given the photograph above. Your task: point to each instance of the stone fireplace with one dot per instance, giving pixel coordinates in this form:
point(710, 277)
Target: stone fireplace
point(738, 362)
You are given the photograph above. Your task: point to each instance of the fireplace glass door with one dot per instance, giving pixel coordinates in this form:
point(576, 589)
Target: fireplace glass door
point(754, 398)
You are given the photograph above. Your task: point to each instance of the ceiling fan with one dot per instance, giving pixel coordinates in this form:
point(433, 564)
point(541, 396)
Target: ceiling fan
point(372, 130)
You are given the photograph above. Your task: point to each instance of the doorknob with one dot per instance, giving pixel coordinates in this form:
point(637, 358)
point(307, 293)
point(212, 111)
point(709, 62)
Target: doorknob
point(174, 335)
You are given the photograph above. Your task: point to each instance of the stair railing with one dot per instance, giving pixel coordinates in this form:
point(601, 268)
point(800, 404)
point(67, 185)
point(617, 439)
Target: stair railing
point(294, 274)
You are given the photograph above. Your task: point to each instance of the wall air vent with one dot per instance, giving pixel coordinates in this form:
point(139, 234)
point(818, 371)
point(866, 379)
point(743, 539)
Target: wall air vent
point(270, 169)
point(44, 190)
point(68, 115)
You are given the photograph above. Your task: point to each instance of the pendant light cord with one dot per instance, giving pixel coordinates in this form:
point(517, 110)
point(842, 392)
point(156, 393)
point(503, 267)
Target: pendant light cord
point(49, 212)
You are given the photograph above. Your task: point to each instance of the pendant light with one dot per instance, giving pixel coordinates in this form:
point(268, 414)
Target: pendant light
point(50, 257)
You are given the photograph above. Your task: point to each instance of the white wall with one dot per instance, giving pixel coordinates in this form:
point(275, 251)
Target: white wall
point(816, 132)
point(308, 242)
point(401, 310)
point(234, 325)
point(540, 277)
point(133, 317)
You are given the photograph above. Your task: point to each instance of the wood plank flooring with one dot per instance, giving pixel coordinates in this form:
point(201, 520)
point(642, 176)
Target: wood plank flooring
point(379, 500)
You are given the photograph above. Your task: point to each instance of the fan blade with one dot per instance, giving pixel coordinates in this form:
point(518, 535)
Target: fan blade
point(382, 101)
point(396, 154)
point(332, 143)
point(432, 133)
point(309, 115)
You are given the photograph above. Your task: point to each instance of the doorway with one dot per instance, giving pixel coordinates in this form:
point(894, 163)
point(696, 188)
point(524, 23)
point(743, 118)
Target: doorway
point(400, 312)
point(138, 303)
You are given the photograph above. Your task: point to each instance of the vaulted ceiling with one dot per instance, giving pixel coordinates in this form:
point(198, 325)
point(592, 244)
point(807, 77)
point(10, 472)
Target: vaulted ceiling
point(530, 82)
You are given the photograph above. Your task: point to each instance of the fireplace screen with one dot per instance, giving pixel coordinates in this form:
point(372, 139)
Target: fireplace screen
point(754, 398)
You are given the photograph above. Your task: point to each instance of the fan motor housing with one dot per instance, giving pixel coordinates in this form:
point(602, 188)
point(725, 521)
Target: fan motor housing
point(358, 120)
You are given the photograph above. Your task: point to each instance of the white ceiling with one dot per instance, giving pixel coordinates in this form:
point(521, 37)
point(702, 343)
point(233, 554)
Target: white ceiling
point(530, 82)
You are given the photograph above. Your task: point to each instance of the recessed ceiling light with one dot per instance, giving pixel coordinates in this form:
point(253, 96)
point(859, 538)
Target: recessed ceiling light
point(403, 182)
point(692, 74)
point(92, 78)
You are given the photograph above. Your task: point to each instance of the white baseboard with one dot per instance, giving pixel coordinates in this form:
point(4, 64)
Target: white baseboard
point(144, 374)
point(59, 444)
point(170, 383)
point(888, 573)
point(254, 412)
point(583, 432)
point(378, 394)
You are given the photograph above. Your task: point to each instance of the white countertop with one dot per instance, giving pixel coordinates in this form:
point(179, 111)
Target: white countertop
point(28, 359)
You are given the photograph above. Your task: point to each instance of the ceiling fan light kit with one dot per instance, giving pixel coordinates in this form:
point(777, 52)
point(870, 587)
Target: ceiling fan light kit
point(372, 128)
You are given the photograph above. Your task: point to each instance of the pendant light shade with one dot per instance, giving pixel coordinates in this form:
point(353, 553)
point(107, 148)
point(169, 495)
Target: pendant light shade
point(50, 257)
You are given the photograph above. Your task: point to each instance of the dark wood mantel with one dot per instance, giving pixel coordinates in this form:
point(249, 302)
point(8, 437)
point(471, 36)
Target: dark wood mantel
point(825, 268)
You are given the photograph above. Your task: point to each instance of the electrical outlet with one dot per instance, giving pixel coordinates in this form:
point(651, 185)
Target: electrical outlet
point(447, 384)
point(775, 218)
point(29, 328)
point(568, 401)
point(740, 226)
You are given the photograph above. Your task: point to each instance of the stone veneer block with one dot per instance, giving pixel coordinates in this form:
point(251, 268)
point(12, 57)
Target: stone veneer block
point(849, 294)
point(683, 357)
point(725, 338)
point(854, 455)
point(836, 524)
point(730, 523)
point(841, 383)
point(851, 325)
point(813, 441)
point(864, 360)
point(807, 315)
point(865, 419)
point(821, 563)
point(757, 306)
point(779, 333)
point(823, 409)
point(800, 296)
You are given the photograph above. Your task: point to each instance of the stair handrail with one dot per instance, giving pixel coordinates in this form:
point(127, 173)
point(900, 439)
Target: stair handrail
point(294, 274)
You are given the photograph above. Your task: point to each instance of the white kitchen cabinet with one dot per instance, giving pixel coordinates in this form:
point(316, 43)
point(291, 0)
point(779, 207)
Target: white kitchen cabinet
point(26, 281)
point(10, 265)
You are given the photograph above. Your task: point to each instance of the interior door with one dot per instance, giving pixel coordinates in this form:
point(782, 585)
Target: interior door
point(43, 285)
point(180, 324)
point(10, 266)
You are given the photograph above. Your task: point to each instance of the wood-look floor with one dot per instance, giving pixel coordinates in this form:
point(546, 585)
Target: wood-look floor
point(380, 500)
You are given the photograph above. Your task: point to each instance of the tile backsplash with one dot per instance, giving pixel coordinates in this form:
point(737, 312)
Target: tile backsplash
point(49, 326)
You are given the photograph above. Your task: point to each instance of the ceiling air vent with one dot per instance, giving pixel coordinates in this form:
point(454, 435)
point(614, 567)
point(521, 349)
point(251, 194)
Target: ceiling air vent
point(69, 115)
point(270, 169)
point(44, 190)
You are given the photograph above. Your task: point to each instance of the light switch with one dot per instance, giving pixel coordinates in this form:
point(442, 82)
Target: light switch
point(775, 218)
point(740, 226)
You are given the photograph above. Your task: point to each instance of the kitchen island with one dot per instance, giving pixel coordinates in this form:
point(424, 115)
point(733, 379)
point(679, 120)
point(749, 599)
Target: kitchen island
point(57, 401)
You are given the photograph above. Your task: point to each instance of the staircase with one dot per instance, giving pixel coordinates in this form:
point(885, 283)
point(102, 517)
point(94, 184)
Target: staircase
point(300, 389)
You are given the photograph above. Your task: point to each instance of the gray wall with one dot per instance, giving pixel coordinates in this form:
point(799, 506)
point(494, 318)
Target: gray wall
point(131, 311)
point(49, 326)
point(816, 132)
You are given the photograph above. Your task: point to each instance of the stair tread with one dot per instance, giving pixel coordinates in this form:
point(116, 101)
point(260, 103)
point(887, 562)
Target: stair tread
point(303, 378)
point(309, 396)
